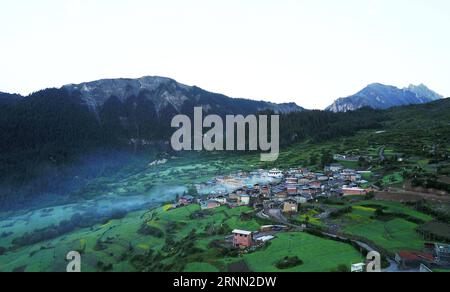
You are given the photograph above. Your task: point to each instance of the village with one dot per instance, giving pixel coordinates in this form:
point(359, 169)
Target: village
point(276, 195)
point(278, 190)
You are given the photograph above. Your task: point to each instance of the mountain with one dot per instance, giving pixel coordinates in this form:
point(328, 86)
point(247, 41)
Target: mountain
point(167, 94)
point(422, 91)
point(379, 96)
point(142, 109)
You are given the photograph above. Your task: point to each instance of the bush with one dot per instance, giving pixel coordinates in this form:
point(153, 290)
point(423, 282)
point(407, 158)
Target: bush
point(341, 212)
point(200, 214)
point(150, 230)
point(289, 262)
point(104, 267)
point(246, 216)
point(100, 246)
point(342, 269)
point(328, 201)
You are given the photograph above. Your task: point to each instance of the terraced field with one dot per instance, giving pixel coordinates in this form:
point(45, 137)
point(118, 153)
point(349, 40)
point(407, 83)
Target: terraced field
point(391, 232)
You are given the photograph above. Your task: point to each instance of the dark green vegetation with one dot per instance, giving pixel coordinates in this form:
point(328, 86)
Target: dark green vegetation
point(320, 126)
point(289, 262)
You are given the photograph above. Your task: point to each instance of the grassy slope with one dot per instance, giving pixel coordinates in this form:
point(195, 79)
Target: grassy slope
point(393, 235)
point(318, 255)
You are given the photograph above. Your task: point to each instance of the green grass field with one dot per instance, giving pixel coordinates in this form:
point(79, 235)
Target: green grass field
point(393, 235)
point(392, 179)
point(318, 254)
point(200, 267)
point(394, 207)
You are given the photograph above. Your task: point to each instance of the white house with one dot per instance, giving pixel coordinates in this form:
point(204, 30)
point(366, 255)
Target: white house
point(221, 199)
point(244, 199)
point(335, 167)
point(358, 268)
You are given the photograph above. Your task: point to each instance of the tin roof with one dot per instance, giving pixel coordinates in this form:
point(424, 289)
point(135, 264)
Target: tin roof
point(243, 232)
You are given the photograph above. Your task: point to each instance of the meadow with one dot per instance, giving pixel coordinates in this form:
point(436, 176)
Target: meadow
point(317, 254)
point(393, 230)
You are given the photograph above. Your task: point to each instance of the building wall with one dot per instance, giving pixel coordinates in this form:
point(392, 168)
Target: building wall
point(290, 208)
point(354, 192)
point(241, 240)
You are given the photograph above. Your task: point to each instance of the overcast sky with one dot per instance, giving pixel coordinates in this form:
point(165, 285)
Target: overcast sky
point(305, 51)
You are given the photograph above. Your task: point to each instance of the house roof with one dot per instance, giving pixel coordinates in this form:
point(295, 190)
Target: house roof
point(210, 202)
point(266, 238)
point(335, 165)
point(291, 201)
point(243, 232)
point(443, 248)
point(353, 189)
point(412, 256)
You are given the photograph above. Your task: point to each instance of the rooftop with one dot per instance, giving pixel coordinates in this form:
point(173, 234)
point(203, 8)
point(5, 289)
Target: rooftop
point(243, 232)
point(411, 256)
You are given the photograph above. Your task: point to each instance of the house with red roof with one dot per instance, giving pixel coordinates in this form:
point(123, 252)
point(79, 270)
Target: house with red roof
point(413, 259)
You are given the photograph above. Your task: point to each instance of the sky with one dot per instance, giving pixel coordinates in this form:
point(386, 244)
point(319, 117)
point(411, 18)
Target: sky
point(305, 51)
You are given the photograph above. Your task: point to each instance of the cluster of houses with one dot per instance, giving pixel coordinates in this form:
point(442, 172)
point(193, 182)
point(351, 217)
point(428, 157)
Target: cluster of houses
point(285, 190)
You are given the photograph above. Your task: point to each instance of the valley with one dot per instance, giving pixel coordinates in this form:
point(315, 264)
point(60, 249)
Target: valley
point(344, 184)
point(135, 227)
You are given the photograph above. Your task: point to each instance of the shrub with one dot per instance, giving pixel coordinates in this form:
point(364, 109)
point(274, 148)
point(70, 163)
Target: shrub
point(289, 262)
point(150, 230)
point(100, 246)
point(342, 269)
point(246, 216)
point(104, 267)
point(340, 212)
